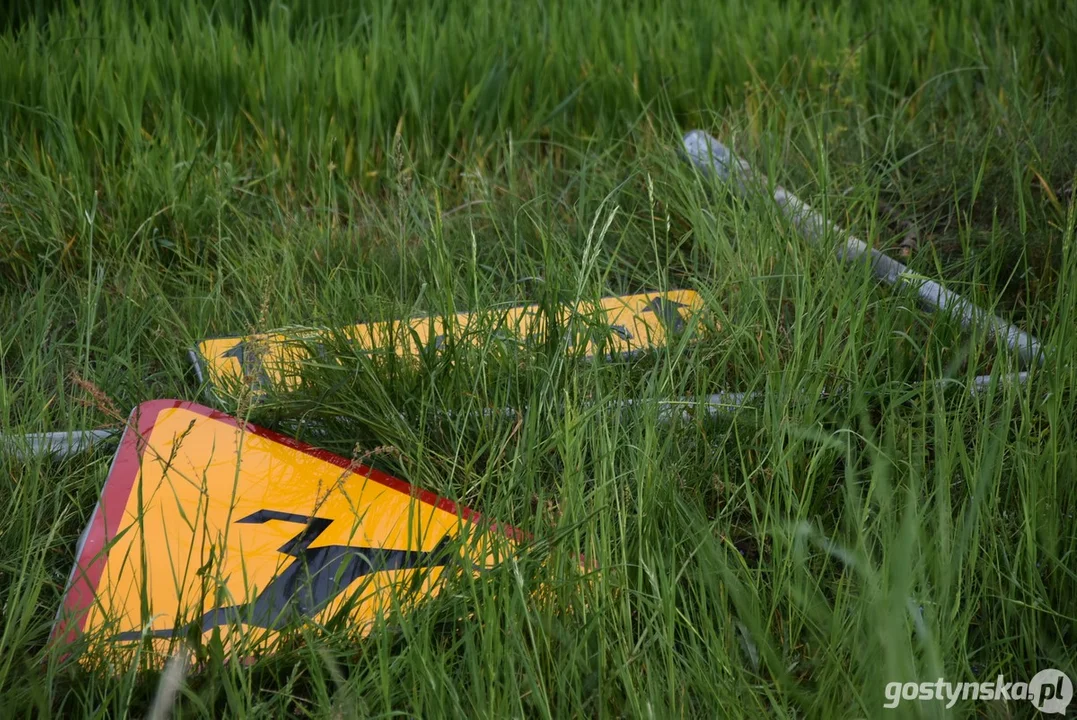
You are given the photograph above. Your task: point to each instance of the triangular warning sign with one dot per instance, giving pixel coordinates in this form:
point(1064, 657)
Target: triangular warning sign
point(208, 524)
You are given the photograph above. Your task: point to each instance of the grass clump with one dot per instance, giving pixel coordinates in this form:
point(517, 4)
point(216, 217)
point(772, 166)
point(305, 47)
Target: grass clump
point(191, 169)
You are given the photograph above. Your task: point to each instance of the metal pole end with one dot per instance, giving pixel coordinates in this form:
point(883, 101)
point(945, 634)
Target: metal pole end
point(708, 155)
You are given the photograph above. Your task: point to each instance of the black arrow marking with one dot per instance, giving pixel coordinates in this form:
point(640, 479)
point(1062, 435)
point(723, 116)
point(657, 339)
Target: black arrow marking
point(668, 312)
point(308, 584)
point(250, 362)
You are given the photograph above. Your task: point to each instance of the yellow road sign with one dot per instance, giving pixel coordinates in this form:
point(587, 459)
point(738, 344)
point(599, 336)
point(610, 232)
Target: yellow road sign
point(210, 524)
point(615, 325)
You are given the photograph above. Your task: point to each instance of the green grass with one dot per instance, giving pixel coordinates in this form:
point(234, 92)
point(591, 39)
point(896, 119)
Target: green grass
point(193, 169)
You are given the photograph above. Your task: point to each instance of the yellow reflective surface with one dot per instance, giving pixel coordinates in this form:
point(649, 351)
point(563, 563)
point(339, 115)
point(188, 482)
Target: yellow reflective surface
point(615, 325)
point(184, 549)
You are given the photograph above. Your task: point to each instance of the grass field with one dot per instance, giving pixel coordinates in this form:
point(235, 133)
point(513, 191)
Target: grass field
point(190, 169)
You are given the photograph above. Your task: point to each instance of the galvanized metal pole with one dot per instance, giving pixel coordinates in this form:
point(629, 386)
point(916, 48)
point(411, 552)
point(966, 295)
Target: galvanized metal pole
point(713, 406)
point(57, 445)
point(714, 159)
point(61, 445)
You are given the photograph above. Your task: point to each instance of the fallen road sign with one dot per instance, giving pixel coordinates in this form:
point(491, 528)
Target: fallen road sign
point(620, 325)
point(208, 524)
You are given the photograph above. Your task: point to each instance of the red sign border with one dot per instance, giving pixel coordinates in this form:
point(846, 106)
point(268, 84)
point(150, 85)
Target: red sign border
point(91, 553)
